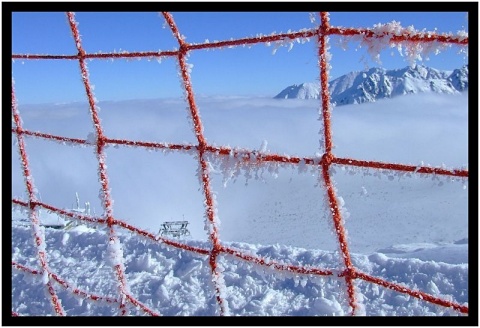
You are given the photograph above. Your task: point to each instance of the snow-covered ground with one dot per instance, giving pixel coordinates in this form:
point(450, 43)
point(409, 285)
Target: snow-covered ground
point(407, 229)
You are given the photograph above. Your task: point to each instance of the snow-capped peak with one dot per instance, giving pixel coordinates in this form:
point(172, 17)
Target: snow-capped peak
point(307, 90)
point(377, 83)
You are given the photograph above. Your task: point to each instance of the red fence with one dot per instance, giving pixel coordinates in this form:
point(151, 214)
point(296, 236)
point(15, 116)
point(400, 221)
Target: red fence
point(349, 273)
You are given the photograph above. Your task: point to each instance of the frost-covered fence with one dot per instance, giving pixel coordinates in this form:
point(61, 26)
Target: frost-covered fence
point(412, 42)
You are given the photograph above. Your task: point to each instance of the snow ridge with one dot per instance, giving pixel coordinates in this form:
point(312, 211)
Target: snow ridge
point(378, 83)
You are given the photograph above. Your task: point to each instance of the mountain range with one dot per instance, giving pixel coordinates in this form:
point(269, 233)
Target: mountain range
point(377, 83)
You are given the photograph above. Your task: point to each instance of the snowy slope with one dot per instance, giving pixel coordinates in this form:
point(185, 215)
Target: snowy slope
point(174, 282)
point(378, 83)
point(407, 229)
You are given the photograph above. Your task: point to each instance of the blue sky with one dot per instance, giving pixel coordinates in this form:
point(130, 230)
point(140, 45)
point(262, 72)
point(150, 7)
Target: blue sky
point(252, 71)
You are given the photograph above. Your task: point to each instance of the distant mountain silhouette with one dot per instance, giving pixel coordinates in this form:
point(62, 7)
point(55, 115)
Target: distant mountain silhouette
point(377, 83)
